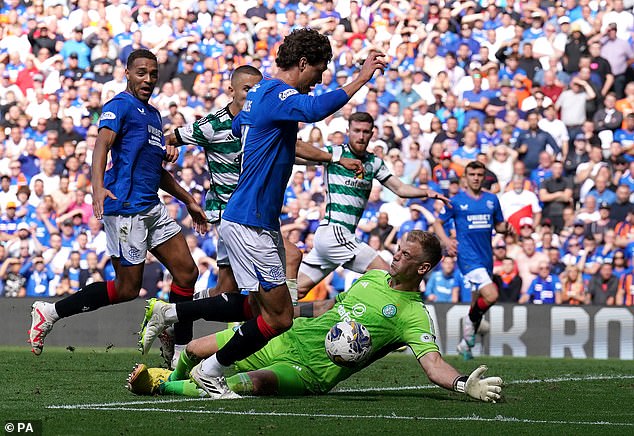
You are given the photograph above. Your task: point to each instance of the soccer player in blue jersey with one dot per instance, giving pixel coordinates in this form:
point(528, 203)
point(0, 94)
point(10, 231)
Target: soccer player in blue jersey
point(268, 126)
point(126, 198)
point(476, 213)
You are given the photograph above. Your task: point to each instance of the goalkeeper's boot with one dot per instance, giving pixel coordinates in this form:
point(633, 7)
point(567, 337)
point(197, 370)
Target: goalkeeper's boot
point(468, 331)
point(146, 381)
point(41, 324)
point(167, 346)
point(215, 387)
point(464, 350)
point(154, 322)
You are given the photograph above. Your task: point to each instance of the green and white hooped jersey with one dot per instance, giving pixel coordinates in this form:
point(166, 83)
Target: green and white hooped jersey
point(347, 193)
point(223, 152)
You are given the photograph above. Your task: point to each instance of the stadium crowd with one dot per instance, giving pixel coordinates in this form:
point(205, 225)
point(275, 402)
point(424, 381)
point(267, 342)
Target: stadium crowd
point(541, 92)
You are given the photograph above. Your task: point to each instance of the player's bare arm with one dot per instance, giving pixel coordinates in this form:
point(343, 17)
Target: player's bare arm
point(169, 185)
point(313, 309)
point(451, 245)
point(311, 153)
point(105, 139)
point(403, 190)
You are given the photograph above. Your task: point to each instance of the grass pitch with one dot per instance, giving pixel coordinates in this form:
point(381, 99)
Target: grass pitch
point(81, 392)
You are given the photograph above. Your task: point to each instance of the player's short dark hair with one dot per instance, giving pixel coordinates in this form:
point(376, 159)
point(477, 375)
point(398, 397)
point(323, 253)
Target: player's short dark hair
point(430, 245)
point(303, 43)
point(140, 54)
point(361, 117)
point(474, 165)
point(244, 70)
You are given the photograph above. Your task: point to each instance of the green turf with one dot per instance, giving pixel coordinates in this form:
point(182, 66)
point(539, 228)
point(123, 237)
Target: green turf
point(62, 377)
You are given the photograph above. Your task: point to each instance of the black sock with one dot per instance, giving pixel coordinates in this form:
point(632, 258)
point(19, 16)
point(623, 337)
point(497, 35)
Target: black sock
point(477, 311)
point(224, 307)
point(245, 341)
point(87, 299)
point(183, 329)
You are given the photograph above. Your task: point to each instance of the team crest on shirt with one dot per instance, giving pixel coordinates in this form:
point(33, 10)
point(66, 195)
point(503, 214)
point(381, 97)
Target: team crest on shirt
point(285, 94)
point(426, 337)
point(490, 204)
point(107, 116)
point(389, 311)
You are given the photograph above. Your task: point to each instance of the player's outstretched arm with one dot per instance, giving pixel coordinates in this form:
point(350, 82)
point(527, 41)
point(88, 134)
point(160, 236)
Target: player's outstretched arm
point(311, 153)
point(451, 245)
point(444, 375)
point(403, 190)
point(169, 185)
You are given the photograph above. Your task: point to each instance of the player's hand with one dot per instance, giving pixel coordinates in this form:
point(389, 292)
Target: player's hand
point(198, 217)
point(452, 247)
point(352, 164)
point(437, 196)
point(171, 153)
point(375, 61)
point(484, 389)
point(98, 197)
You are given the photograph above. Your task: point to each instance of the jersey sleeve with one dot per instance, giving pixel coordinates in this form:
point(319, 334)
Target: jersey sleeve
point(447, 213)
point(236, 126)
point(381, 172)
point(113, 115)
point(200, 132)
point(289, 105)
point(418, 332)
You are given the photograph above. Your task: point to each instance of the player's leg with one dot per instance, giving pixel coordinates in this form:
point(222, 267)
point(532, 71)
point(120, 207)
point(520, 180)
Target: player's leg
point(293, 262)
point(329, 251)
point(226, 281)
point(277, 379)
point(128, 249)
point(257, 258)
point(365, 259)
point(485, 294)
point(167, 243)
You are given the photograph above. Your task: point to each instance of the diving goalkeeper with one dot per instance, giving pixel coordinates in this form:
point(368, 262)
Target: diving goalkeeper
point(295, 363)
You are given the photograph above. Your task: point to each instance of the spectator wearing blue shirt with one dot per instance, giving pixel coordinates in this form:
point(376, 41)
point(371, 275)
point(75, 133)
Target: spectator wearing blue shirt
point(511, 68)
point(489, 137)
point(475, 102)
point(408, 97)
point(534, 141)
point(417, 220)
point(545, 288)
point(543, 171)
point(444, 285)
point(625, 136)
point(38, 277)
point(602, 193)
point(79, 47)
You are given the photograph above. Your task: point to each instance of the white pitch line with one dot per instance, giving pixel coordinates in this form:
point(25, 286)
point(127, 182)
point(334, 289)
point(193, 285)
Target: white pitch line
point(498, 418)
point(512, 382)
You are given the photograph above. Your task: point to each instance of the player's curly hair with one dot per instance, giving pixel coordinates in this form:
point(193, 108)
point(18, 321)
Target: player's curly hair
point(140, 54)
point(303, 43)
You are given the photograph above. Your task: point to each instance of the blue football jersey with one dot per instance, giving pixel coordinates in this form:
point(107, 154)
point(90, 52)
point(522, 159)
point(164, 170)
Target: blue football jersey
point(267, 126)
point(474, 219)
point(137, 154)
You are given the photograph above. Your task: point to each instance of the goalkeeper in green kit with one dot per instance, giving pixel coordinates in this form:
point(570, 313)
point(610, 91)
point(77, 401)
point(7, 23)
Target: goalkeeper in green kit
point(295, 363)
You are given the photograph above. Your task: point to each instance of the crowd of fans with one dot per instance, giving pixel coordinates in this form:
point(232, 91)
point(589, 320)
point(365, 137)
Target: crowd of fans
point(539, 91)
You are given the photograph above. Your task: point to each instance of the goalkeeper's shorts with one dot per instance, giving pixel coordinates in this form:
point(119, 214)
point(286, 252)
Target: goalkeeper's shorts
point(278, 356)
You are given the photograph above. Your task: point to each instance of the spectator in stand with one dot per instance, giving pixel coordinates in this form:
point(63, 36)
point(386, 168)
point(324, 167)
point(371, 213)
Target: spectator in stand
point(544, 289)
point(444, 285)
point(572, 288)
point(555, 194)
point(508, 282)
point(603, 287)
point(528, 261)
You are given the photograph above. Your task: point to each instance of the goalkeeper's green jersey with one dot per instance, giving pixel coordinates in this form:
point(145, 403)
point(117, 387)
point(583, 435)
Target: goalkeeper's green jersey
point(393, 318)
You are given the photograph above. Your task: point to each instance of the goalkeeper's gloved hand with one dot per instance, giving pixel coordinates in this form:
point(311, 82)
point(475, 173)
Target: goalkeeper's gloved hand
point(485, 389)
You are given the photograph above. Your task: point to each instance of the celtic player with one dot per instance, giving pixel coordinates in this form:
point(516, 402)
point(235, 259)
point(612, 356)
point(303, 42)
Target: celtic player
point(295, 363)
point(335, 243)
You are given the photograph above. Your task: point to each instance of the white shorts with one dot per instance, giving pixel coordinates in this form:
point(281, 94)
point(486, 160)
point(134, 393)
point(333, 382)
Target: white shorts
point(129, 237)
point(334, 246)
point(222, 258)
point(256, 256)
point(478, 278)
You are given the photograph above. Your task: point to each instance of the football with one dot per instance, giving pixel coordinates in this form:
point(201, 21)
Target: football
point(348, 343)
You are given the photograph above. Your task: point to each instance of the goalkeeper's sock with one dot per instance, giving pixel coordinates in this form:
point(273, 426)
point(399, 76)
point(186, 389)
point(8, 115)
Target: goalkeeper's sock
point(184, 328)
point(181, 387)
point(249, 338)
point(225, 307)
point(477, 311)
point(184, 365)
point(241, 384)
point(87, 299)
